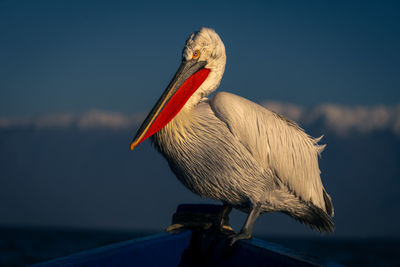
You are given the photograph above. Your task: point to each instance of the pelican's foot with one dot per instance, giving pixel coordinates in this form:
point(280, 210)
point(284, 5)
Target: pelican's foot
point(237, 237)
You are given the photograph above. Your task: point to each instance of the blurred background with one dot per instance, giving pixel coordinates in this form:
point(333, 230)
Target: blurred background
point(78, 77)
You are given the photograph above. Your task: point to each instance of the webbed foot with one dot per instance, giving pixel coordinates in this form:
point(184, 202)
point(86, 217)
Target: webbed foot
point(237, 237)
point(247, 229)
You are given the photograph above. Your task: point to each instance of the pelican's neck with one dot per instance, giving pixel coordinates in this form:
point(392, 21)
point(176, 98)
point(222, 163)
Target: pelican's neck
point(209, 85)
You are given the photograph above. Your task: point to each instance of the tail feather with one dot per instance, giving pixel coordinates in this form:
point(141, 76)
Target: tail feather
point(328, 203)
point(304, 211)
point(316, 218)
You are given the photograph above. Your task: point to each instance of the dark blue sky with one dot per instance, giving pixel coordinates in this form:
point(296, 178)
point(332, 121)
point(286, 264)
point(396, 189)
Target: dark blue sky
point(71, 56)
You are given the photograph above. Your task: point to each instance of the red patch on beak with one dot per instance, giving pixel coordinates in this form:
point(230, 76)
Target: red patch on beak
point(177, 101)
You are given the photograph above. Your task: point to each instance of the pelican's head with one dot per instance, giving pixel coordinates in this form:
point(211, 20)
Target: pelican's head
point(201, 70)
point(205, 46)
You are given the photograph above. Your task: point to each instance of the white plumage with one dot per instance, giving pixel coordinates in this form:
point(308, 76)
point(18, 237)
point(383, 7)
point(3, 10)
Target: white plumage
point(230, 149)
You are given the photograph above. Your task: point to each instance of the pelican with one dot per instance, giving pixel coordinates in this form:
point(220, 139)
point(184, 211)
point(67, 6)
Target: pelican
point(232, 150)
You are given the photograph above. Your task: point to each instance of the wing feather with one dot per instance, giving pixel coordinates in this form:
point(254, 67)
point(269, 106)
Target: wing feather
point(276, 142)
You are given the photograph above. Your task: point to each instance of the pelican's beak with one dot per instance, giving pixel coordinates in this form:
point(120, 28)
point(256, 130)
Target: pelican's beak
point(190, 75)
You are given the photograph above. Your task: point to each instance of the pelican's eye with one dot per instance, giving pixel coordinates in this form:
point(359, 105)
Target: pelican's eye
point(196, 54)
